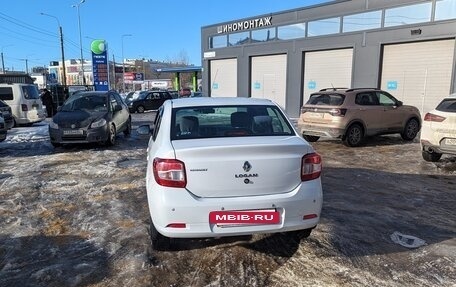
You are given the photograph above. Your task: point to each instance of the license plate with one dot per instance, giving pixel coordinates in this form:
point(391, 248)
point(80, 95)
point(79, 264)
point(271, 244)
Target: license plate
point(73, 132)
point(450, 141)
point(244, 217)
point(316, 115)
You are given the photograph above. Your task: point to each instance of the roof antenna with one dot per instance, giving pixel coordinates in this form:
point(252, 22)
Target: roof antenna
point(333, 87)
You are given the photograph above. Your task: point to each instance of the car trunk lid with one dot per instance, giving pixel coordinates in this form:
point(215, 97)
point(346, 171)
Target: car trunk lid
point(249, 166)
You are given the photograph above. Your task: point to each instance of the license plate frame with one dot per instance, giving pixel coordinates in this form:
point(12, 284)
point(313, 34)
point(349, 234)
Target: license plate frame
point(77, 132)
point(450, 141)
point(234, 218)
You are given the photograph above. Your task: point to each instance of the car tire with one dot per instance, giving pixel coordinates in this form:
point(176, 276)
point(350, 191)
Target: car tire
point(158, 241)
point(111, 140)
point(54, 144)
point(304, 233)
point(140, 109)
point(411, 129)
point(127, 130)
point(354, 136)
point(431, 156)
point(310, 139)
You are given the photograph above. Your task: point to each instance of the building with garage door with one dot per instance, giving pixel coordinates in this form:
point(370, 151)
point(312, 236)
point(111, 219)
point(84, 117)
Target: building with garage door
point(404, 47)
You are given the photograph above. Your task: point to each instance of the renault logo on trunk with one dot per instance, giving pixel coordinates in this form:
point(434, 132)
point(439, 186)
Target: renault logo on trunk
point(247, 166)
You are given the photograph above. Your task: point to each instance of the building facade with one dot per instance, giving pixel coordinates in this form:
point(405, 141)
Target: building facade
point(402, 46)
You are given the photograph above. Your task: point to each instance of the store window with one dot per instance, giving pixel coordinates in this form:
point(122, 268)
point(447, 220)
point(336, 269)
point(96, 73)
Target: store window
point(323, 27)
point(445, 9)
point(292, 31)
point(264, 35)
point(238, 39)
point(411, 14)
point(218, 42)
point(362, 21)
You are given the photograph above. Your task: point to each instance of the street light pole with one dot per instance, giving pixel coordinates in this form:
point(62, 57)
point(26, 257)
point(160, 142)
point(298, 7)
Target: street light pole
point(62, 50)
point(123, 62)
point(80, 40)
point(3, 62)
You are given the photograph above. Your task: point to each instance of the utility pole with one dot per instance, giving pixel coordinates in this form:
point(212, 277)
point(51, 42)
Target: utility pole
point(114, 72)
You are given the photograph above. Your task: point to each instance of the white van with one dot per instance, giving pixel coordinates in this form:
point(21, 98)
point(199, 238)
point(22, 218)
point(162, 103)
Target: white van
point(25, 102)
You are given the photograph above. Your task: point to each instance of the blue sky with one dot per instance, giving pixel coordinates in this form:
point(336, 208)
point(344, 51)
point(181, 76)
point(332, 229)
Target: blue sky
point(161, 30)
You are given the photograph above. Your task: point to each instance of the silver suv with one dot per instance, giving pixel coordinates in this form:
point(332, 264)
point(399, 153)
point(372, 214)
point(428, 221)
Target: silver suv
point(353, 114)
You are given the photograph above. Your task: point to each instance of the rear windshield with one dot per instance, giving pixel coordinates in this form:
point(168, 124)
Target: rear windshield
point(31, 92)
point(326, 100)
point(447, 105)
point(228, 121)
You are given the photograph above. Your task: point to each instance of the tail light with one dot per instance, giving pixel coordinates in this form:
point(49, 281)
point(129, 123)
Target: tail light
point(433, 118)
point(24, 107)
point(169, 172)
point(310, 166)
point(338, 112)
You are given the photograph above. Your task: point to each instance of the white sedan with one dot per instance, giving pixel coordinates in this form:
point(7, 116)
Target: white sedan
point(229, 166)
point(438, 134)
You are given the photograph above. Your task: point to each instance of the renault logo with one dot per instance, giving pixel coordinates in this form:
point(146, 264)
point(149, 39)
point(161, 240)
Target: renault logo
point(73, 126)
point(246, 166)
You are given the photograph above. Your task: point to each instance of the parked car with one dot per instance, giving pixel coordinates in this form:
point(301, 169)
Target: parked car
point(353, 114)
point(24, 100)
point(174, 94)
point(438, 134)
point(3, 128)
point(5, 109)
point(229, 166)
point(90, 117)
point(148, 100)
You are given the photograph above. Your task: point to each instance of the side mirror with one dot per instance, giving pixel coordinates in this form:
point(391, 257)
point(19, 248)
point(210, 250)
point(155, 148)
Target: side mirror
point(144, 130)
point(117, 108)
point(59, 108)
point(399, 103)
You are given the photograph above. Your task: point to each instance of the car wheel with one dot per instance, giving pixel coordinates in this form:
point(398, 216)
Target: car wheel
point(158, 241)
point(310, 138)
point(111, 136)
point(54, 144)
point(127, 130)
point(411, 129)
point(140, 109)
point(301, 234)
point(354, 136)
point(431, 156)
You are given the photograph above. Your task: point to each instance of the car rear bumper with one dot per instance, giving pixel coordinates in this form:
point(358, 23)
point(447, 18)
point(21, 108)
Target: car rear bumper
point(315, 130)
point(88, 136)
point(439, 148)
point(176, 205)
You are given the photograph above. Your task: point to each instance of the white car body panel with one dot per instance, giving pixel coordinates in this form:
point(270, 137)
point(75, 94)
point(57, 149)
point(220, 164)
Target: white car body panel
point(440, 136)
point(211, 165)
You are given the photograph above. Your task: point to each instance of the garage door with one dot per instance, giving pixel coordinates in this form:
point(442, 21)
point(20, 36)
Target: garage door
point(418, 74)
point(223, 78)
point(269, 75)
point(326, 69)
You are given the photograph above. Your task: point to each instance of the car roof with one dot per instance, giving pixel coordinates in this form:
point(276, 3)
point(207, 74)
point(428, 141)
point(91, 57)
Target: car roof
point(218, 101)
point(344, 90)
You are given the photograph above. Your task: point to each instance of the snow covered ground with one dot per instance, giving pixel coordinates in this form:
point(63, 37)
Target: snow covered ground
point(77, 216)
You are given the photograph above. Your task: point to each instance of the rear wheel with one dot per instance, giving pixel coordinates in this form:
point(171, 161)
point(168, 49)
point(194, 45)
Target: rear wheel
point(431, 156)
point(411, 129)
point(310, 138)
point(127, 130)
point(354, 136)
point(111, 136)
point(159, 242)
point(140, 109)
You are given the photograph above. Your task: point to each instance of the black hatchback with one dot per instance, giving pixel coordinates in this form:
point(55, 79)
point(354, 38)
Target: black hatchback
point(88, 117)
point(150, 100)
